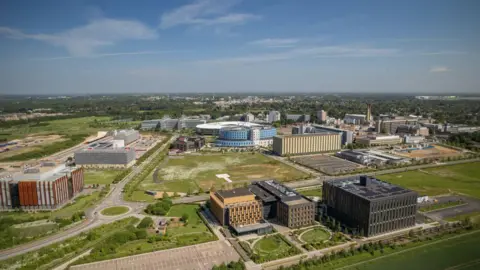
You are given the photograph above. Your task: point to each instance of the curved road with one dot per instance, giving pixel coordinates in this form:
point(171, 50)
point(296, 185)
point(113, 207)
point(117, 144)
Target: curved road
point(113, 198)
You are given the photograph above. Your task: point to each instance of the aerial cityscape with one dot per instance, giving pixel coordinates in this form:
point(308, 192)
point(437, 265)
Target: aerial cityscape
point(239, 134)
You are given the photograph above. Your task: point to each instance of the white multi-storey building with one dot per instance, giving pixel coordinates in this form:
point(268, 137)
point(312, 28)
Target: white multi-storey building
point(274, 116)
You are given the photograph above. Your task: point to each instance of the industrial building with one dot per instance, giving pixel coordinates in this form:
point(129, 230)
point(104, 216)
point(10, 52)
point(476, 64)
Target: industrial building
point(46, 187)
point(284, 204)
point(369, 205)
point(128, 136)
point(370, 157)
point(356, 119)
point(298, 117)
point(167, 123)
point(391, 126)
point(306, 143)
point(105, 155)
point(185, 144)
point(246, 136)
point(374, 140)
point(246, 209)
point(274, 116)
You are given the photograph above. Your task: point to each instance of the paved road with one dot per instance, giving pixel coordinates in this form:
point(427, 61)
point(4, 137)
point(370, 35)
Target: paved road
point(93, 219)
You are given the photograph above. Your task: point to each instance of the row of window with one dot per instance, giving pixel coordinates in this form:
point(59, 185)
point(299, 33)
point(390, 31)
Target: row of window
point(391, 214)
point(394, 203)
point(391, 226)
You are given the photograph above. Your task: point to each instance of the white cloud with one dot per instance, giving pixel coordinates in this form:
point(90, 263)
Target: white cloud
point(206, 13)
point(84, 40)
point(308, 52)
point(439, 69)
point(275, 42)
point(101, 55)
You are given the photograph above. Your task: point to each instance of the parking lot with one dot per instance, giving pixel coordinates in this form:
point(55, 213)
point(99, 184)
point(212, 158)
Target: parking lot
point(327, 164)
point(202, 257)
point(472, 205)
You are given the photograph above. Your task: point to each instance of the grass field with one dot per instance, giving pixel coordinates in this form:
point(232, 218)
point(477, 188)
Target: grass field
point(461, 178)
point(114, 211)
point(474, 217)
point(194, 172)
point(459, 253)
point(272, 248)
point(195, 224)
point(312, 192)
point(315, 235)
point(102, 177)
point(35, 228)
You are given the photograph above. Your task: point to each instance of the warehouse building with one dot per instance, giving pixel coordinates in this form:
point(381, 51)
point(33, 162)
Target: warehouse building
point(105, 155)
point(46, 187)
point(127, 136)
point(370, 205)
point(306, 143)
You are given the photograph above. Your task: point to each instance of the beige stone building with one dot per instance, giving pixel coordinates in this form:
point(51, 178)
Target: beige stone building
point(307, 143)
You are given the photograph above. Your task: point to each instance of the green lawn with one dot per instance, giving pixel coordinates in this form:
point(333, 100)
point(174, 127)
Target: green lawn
point(102, 177)
point(311, 192)
point(194, 172)
point(35, 228)
point(459, 253)
point(194, 224)
point(474, 217)
point(81, 203)
point(315, 235)
point(114, 211)
point(462, 178)
point(272, 248)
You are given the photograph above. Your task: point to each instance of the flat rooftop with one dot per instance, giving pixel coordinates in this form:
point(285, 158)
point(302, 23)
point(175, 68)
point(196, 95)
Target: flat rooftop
point(310, 134)
point(297, 202)
point(262, 194)
point(375, 188)
point(278, 190)
point(251, 227)
point(236, 192)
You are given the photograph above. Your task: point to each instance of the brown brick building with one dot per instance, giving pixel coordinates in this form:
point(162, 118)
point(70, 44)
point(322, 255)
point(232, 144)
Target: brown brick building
point(236, 207)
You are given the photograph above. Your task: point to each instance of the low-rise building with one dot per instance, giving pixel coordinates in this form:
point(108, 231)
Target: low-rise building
point(186, 144)
point(298, 117)
point(105, 155)
point(128, 136)
point(274, 116)
point(374, 140)
point(413, 139)
point(167, 123)
point(356, 119)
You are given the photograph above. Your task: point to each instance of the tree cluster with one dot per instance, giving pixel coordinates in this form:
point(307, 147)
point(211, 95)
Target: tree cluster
point(159, 208)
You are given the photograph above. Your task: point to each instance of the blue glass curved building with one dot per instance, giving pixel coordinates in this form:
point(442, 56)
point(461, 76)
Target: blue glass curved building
point(244, 136)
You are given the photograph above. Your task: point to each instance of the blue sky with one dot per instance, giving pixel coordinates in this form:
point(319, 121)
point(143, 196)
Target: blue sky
point(88, 47)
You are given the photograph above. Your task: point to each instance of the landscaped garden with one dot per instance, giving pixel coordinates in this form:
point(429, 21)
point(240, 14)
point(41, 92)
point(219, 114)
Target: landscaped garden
point(271, 248)
point(317, 234)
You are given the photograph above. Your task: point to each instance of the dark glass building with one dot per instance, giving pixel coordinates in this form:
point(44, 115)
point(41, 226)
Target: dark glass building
point(370, 205)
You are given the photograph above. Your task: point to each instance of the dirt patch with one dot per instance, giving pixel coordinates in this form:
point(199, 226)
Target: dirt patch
point(435, 152)
point(29, 143)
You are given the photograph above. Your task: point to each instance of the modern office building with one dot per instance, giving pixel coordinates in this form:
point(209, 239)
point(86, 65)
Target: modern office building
point(391, 126)
point(321, 116)
point(105, 155)
point(370, 205)
point(128, 136)
point(46, 187)
point(412, 130)
point(306, 143)
point(185, 144)
point(284, 204)
point(245, 136)
point(298, 117)
point(374, 140)
point(274, 116)
point(239, 209)
point(167, 123)
point(213, 129)
point(246, 209)
point(356, 119)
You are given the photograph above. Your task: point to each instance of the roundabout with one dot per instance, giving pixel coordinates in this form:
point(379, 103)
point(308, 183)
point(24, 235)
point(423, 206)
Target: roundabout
point(115, 211)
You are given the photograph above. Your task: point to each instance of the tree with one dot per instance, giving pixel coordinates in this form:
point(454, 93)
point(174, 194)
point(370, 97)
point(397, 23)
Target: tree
point(184, 217)
point(146, 222)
